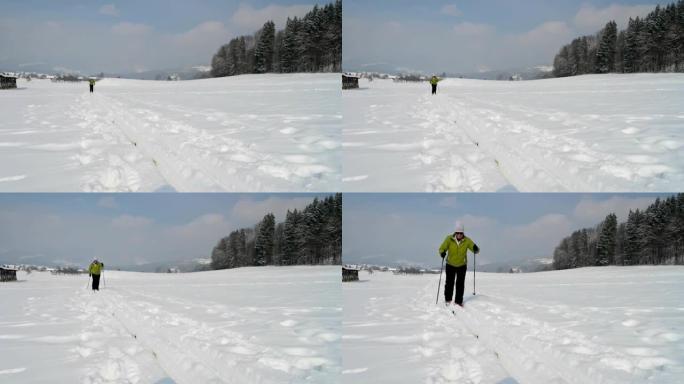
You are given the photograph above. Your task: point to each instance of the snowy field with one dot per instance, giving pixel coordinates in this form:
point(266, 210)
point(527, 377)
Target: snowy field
point(588, 133)
point(252, 325)
point(247, 133)
point(593, 325)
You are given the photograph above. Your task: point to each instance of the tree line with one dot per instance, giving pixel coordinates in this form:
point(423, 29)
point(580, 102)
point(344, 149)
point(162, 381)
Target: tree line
point(309, 44)
point(311, 236)
point(652, 236)
point(651, 44)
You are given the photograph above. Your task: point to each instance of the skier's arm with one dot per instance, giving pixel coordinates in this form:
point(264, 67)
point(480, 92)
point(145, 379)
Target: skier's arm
point(473, 247)
point(443, 248)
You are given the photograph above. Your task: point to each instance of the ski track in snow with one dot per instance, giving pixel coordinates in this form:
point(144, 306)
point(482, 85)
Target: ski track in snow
point(395, 332)
point(248, 133)
point(132, 332)
point(592, 133)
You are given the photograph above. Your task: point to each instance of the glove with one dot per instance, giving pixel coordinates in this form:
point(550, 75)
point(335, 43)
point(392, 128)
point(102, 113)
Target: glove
point(476, 249)
point(90, 275)
point(443, 254)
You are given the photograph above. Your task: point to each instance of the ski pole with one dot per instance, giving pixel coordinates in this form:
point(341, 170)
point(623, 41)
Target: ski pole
point(88, 282)
point(440, 281)
point(474, 270)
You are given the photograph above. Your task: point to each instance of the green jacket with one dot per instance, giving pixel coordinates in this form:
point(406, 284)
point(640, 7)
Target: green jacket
point(457, 254)
point(435, 80)
point(95, 268)
point(92, 82)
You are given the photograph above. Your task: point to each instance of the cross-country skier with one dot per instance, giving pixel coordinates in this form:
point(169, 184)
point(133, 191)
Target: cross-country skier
point(455, 248)
point(94, 270)
point(92, 85)
point(434, 82)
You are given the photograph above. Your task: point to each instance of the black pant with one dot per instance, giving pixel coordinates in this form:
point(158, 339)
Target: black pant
point(96, 282)
point(91, 88)
point(434, 89)
point(459, 273)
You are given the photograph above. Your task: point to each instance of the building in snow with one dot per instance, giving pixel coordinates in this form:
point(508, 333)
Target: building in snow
point(350, 274)
point(350, 82)
point(8, 274)
point(7, 81)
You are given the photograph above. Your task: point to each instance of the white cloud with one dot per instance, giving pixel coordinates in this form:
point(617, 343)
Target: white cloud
point(22, 65)
point(249, 18)
point(473, 29)
point(130, 29)
point(107, 202)
point(476, 223)
point(551, 226)
point(548, 32)
point(200, 42)
point(109, 9)
point(464, 47)
point(449, 201)
point(213, 223)
point(590, 212)
point(128, 221)
point(210, 30)
point(451, 10)
point(590, 19)
point(251, 211)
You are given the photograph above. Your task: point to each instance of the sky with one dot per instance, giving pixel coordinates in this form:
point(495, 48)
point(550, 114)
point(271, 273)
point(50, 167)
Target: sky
point(407, 229)
point(464, 36)
point(129, 36)
point(128, 229)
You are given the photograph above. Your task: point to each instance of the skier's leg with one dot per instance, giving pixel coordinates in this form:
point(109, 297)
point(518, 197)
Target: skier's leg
point(96, 282)
point(460, 283)
point(449, 283)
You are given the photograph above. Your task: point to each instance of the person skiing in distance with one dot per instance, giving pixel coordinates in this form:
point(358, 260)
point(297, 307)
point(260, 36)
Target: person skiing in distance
point(94, 270)
point(434, 81)
point(92, 85)
point(455, 248)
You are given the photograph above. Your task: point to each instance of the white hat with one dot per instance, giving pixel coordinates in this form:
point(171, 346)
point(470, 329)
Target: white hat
point(459, 227)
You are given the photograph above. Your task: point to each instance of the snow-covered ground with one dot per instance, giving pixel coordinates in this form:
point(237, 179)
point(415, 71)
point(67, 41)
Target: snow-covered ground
point(588, 133)
point(247, 133)
point(251, 325)
point(593, 325)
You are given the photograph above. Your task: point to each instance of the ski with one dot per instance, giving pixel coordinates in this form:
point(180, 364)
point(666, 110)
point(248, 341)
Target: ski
point(454, 312)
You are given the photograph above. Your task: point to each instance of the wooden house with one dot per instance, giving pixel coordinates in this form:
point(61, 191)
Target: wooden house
point(7, 81)
point(350, 82)
point(8, 274)
point(350, 274)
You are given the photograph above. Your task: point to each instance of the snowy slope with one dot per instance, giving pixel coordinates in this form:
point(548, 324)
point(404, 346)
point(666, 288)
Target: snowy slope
point(588, 133)
point(252, 325)
point(594, 325)
point(246, 133)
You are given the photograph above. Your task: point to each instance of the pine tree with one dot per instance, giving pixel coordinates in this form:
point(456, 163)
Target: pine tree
point(631, 56)
point(651, 44)
point(263, 248)
point(605, 248)
point(605, 57)
point(263, 54)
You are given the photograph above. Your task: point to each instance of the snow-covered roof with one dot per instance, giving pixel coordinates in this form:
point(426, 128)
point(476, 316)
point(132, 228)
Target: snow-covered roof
point(8, 75)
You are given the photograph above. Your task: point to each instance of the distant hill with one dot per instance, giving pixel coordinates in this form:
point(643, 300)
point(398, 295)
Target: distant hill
point(526, 266)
